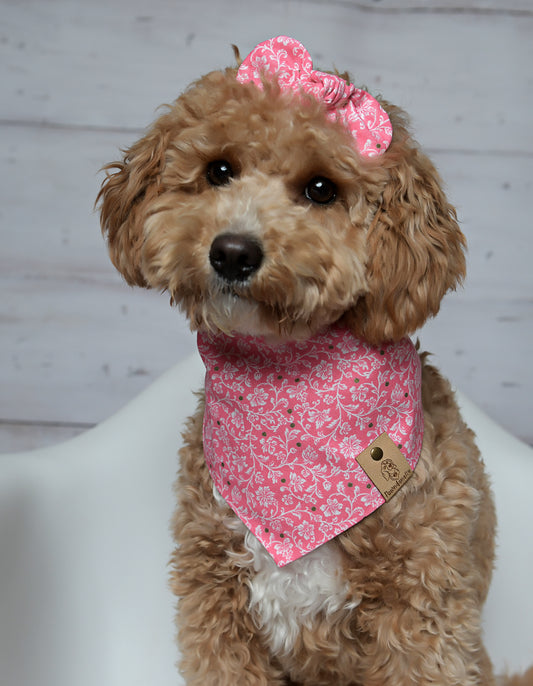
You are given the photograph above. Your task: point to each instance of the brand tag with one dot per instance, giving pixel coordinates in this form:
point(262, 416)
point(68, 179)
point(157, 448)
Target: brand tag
point(385, 465)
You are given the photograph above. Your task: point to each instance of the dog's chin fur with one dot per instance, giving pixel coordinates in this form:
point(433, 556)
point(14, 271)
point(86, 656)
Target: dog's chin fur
point(396, 599)
point(233, 314)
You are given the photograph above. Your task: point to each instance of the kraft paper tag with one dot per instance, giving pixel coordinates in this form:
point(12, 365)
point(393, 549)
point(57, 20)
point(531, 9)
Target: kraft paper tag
point(385, 465)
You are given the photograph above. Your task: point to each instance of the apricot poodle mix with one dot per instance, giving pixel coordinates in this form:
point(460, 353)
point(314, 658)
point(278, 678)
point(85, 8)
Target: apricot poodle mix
point(270, 227)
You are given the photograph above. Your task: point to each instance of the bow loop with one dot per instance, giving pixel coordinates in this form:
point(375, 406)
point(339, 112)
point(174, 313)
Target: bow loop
point(287, 60)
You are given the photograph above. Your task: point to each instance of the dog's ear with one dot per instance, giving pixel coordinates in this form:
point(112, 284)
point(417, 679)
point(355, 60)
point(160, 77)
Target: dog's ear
point(415, 249)
point(129, 187)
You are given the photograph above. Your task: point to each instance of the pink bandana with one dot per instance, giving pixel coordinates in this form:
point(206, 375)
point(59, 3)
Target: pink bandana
point(286, 428)
point(364, 117)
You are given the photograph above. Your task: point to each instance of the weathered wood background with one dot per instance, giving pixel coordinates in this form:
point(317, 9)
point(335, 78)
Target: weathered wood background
point(81, 79)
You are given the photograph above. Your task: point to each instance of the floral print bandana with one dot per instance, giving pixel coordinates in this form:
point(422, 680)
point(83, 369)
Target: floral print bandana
point(288, 60)
point(285, 426)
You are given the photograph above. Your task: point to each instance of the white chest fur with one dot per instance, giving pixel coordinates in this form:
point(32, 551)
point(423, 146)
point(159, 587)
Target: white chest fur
point(283, 599)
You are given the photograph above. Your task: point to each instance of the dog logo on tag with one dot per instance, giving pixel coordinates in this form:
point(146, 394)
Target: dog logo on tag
point(389, 470)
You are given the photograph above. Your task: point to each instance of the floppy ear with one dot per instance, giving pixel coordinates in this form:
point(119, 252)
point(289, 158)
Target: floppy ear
point(415, 250)
point(123, 197)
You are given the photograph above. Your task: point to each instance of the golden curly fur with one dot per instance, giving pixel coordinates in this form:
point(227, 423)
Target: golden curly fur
point(407, 584)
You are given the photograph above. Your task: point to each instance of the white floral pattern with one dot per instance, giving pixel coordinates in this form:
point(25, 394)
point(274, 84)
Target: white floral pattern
point(288, 465)
point(289, 61)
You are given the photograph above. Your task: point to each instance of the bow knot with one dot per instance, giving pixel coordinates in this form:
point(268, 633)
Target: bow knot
point(331, 89)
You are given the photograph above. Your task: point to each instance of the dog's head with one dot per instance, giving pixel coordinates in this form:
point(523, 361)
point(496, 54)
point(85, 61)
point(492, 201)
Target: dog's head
point(258, 214)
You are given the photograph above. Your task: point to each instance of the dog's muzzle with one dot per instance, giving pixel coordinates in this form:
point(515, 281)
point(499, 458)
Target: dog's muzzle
point(235, 257)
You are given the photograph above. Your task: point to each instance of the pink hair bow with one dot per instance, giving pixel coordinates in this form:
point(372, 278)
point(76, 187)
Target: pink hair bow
point(285, 57)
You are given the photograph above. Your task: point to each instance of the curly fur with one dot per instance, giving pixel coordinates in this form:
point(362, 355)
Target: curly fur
point(396, 599)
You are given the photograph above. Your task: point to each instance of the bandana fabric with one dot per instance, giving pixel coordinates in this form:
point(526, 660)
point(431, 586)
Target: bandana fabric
point(290, 62)
point(284, 426)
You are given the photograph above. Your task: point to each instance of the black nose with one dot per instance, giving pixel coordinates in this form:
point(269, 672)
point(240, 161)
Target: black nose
point(235, 257)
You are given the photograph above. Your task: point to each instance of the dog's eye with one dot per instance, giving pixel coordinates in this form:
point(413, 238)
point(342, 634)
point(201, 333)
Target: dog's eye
point(219, 172)
point(321, 190)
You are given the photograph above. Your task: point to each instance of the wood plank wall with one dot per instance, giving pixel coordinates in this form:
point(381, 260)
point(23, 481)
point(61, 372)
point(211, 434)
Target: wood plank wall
point(80, 79)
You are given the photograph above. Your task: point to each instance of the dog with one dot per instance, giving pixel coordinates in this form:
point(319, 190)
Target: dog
point(295, 221)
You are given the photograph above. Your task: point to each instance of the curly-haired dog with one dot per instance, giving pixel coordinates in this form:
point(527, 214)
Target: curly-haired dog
point(297, 224)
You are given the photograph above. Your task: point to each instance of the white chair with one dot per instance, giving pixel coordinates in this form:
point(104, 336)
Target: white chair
point(85, 543)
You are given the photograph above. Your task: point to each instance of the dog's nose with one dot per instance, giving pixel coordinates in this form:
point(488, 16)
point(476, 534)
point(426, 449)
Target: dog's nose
point(235, 257)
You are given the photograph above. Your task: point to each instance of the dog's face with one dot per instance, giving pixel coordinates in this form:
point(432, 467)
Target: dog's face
point(258, 215)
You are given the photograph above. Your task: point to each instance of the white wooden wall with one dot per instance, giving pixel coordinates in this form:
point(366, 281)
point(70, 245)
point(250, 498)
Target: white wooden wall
point(80, 79)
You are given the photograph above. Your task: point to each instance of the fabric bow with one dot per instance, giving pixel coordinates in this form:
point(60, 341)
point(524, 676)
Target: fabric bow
point(289, 61)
